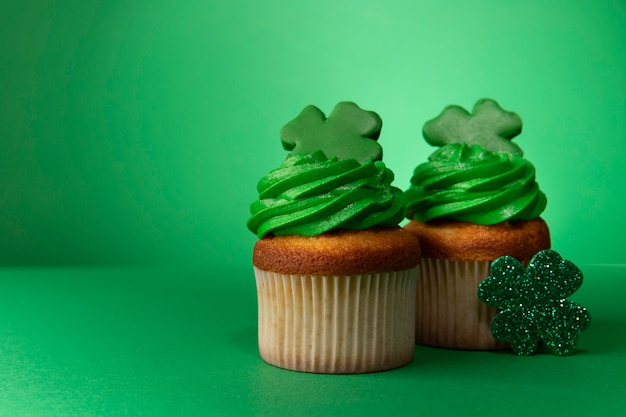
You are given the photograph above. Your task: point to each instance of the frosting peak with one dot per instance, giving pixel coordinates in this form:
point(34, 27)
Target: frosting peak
point(310, 194)
point(469, 183)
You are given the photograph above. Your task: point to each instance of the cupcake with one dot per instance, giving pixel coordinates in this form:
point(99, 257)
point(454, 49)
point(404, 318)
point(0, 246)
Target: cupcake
point(335, 273)
point(475, 199)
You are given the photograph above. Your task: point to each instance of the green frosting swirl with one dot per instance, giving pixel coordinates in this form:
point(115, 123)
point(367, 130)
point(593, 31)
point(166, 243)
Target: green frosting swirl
point(471, 184)
point(310, 194)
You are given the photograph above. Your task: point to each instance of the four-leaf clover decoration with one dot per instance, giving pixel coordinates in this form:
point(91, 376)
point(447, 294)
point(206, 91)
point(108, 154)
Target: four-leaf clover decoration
point(532, 303)
point(349, 132)
point(488, 125)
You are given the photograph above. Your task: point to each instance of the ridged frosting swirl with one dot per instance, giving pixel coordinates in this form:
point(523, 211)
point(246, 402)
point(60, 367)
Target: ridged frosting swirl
point(310, 194)
point(469, 183)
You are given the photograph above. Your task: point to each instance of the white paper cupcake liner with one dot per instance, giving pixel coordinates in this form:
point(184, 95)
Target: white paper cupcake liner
point(337, 324)
point(448, 312)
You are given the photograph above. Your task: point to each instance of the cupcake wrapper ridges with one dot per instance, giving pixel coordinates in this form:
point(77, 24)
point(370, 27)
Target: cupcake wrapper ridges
point(336, 324)
point(448, 311)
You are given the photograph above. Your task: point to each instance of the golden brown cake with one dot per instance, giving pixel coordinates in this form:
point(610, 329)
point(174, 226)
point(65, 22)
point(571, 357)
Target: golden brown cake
point(345, 252)
point(462, 241)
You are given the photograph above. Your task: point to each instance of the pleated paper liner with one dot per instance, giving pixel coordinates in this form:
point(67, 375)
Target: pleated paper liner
point(448, 312)
point(337, 324)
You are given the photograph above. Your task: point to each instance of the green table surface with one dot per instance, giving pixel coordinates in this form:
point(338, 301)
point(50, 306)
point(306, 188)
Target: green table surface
point(141, 342)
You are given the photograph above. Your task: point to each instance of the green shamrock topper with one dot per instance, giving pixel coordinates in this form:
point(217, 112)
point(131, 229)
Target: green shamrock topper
point(488, 125)
point(349, 132)
point(533, 303)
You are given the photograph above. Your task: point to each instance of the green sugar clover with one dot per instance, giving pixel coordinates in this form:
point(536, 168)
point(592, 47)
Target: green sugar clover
point(349, 132)
point(533, 303)
point(488, 125)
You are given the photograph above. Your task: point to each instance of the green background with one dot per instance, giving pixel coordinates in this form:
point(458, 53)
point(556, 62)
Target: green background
point(135, 131)
point(111, 342)
point(132, 135)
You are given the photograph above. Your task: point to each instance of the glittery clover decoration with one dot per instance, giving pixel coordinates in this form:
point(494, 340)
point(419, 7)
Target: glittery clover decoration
point(488, 125)
point(533, 305)
point(349, 132)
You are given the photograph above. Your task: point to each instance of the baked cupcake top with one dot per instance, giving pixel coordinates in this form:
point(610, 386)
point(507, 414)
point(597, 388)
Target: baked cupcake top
point(333, 179)
point(339, 252)
point(478, 174)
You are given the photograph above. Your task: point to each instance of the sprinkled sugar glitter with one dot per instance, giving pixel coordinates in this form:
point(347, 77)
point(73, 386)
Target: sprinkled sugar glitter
point(533, 303)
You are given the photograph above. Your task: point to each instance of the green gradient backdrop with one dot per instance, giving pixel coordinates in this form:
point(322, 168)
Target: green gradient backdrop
point(135, 131)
